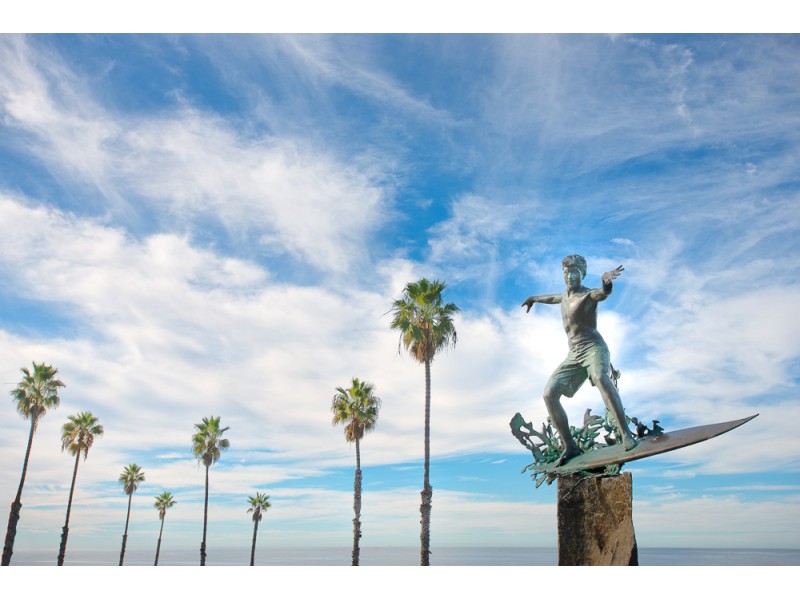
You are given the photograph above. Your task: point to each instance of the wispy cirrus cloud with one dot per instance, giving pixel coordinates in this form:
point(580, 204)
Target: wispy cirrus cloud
point(189, 166)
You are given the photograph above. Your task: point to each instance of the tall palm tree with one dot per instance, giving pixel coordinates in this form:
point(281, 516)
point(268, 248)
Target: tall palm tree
point(426, 326)
point(77, 436)
point(162, 503)
point(131, 477)
point(35, 395)
point(207, 443)
point(356, 407)
point(258, 506)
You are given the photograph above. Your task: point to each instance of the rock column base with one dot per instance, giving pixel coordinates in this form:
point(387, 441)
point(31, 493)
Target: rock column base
point(595, 521)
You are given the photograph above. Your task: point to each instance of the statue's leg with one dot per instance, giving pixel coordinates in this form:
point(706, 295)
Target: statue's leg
point(552, 400)
point(614, 405)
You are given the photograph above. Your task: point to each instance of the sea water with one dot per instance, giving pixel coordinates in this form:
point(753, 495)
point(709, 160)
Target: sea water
point(403, 556)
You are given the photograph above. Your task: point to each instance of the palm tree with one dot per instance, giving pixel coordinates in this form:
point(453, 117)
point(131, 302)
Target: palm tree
point(357, 408)
point(426, 326)
point(258, 506)
point(131, 477)
point(207, 443)
point(163, 502)
point(35, 395)
point(77, 435)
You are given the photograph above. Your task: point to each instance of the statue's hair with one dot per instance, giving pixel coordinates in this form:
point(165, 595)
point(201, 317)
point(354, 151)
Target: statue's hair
point(577, 260)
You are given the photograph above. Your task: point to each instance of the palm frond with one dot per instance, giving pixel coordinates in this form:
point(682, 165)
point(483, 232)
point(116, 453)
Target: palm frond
point(79, 432)
point(259, 504)
point(37, 392)
point(425, 323)
point(163, 502)
point(207, 442)
point(356, 407)
point(131, 477)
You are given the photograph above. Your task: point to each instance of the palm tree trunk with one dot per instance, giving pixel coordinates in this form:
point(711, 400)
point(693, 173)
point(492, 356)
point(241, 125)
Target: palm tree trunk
point(158, 546)
point(62, 551)
point(125, 535)
point(205, 525)
point(253, 549)
point(357, 507)
point(427, 490)
point(16, 506)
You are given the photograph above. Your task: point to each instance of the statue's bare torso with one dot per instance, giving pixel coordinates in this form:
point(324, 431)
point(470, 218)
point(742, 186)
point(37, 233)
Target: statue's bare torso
point(579, 316)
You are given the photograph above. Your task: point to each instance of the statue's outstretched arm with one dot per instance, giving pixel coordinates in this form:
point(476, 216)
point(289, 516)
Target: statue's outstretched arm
point(548, 299)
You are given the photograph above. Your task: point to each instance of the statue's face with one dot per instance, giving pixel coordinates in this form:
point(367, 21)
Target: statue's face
point(572, 277)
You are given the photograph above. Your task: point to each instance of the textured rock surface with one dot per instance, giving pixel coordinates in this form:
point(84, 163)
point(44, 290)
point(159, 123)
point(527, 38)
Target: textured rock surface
point(595, 521)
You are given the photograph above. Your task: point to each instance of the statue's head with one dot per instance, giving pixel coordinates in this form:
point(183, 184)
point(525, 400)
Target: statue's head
point(574, 267)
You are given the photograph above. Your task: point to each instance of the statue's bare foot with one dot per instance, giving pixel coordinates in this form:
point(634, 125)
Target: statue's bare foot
point(630, 443)
point(568, 455)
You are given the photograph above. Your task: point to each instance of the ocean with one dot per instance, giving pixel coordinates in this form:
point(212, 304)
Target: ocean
point(404, 556)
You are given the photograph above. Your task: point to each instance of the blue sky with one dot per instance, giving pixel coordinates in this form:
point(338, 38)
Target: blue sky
point(195, 225)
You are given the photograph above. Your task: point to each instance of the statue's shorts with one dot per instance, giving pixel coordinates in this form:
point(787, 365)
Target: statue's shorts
point(583, 359)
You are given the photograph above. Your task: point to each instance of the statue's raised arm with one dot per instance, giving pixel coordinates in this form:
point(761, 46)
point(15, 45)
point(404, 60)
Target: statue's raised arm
point(610, 276)
point(608, 286)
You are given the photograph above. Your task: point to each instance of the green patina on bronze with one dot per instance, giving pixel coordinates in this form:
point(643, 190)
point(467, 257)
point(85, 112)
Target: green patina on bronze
point(606, 457)
point(602, 444)
point(547, 447)
point(588, 358)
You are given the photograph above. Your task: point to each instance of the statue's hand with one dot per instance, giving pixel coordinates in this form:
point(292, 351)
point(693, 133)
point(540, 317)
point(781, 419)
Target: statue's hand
point(612, 275)
point(529, 303)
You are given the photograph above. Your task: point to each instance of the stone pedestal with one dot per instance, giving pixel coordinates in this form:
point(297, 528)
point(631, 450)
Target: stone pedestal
point(595, 523)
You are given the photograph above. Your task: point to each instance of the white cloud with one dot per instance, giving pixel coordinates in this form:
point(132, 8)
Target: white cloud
point(477, 227)
point(706, 522)
point(191, 166)
point(295, 200)
point(205, 334)
point(349, 63)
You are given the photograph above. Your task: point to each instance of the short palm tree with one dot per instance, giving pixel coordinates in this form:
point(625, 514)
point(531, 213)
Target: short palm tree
point(131, 477)
point(162, 503)
point(77, 436)
point(35, 395)
point(207, 443)
point(259, 504)
point(426, 326)
point(356, 407)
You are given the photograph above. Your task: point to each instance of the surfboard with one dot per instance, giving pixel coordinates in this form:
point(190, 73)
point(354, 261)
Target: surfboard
point(648, 446)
